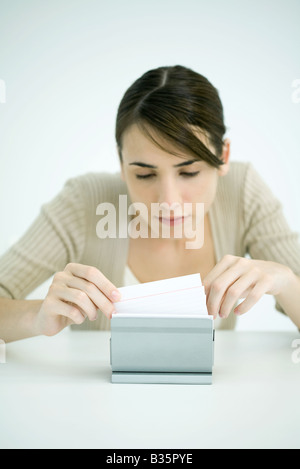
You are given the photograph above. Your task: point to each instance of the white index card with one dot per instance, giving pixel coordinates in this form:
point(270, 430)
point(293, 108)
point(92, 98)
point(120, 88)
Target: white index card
point(178, 296)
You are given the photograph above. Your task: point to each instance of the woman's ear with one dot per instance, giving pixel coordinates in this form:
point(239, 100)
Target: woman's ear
point(223, 170)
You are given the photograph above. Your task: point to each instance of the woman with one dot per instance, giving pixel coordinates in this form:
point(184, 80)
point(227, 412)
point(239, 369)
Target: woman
point(170, 139)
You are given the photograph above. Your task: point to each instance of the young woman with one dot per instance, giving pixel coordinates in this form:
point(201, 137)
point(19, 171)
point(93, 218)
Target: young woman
point(170, 139)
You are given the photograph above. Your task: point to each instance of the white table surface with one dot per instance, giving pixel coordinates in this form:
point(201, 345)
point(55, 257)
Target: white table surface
point(55, 392)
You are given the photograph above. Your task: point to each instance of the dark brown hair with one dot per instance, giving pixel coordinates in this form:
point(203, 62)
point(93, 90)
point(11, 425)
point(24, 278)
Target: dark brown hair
point(168, 101)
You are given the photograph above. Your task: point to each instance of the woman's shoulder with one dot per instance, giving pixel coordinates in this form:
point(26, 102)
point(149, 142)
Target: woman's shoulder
point(101, 178)
point(244, 190)
point(231, 185)
point(241, 189)
point(97, 186)
point(243, 179)
point(238, 171)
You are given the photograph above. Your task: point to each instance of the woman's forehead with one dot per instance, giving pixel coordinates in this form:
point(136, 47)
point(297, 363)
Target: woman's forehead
point(137, 143)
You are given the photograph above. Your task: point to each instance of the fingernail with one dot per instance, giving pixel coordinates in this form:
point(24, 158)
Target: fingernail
point(116, 295)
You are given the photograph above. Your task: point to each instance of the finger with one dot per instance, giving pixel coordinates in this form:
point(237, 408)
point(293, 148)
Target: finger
point(79, 299)
point(221, 284)
point(96, 296)
point(72, 313)
point(93, 275)
point(236, 291)
point(252, 298)
point(226, 262)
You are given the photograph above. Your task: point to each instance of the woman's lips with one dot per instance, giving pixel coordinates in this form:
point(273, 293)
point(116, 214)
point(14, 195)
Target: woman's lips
point(173, 220)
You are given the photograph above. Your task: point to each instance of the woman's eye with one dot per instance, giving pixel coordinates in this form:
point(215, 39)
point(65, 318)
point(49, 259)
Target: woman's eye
point(148, 176)
point(144, 176)
point(190, 174)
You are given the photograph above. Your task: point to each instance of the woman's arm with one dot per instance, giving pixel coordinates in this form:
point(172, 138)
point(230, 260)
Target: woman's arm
point(55, 238)
point(289, 298)
point(234, 278)
point(76, 293)
point(18, 318)
point(274, 267)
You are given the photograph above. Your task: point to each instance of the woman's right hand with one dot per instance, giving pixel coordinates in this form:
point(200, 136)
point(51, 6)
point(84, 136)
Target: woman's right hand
point(74, 295)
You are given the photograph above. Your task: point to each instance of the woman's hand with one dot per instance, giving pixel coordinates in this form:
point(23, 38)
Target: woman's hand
point(74, 295)
point(234, 278)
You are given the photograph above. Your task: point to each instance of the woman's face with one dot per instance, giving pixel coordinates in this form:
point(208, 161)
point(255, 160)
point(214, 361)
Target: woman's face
point(153, 176)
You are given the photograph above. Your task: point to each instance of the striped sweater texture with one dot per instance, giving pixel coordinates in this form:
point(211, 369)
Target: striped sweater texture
point(246, 219)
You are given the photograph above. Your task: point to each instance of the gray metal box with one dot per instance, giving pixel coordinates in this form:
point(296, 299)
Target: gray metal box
point(148, 349)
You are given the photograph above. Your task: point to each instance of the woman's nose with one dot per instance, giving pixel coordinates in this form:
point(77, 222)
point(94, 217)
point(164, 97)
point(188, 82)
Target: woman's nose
point(169, 195)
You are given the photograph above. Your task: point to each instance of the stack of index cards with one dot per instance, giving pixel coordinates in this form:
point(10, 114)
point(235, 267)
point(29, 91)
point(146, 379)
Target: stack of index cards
point(176, 297)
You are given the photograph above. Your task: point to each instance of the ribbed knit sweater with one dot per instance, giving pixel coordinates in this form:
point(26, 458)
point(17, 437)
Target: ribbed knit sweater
point(246, 219)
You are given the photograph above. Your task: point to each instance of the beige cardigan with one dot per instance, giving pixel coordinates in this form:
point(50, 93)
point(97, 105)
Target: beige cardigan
point(245, 217)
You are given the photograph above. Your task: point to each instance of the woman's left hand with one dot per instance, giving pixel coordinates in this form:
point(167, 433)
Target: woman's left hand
point(234, 278)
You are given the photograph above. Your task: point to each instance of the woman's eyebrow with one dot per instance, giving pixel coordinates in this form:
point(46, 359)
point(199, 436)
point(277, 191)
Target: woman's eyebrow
point(144, 165)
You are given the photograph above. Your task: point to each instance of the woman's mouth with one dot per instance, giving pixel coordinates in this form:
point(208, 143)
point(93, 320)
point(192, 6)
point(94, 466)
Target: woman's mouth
point(172, 220)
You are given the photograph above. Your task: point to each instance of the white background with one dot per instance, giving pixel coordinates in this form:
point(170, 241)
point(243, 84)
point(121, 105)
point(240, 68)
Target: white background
point(67, 63)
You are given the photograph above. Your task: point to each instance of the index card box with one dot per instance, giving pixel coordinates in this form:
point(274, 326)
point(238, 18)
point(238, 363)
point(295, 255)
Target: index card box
point(154, 349)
